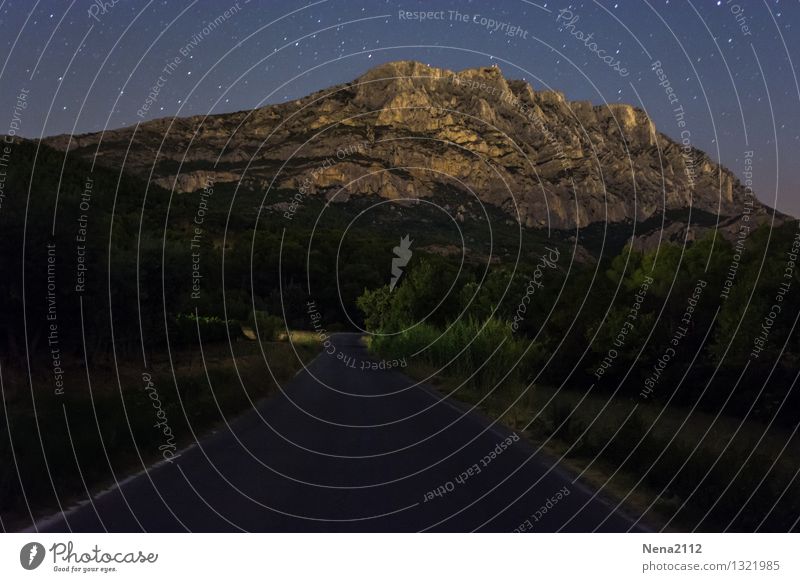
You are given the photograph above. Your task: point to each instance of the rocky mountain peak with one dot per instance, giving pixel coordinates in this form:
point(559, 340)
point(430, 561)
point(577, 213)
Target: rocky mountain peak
point(406, 129)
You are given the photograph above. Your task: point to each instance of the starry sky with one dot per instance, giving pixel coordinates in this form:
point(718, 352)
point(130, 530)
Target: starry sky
point(89, 65)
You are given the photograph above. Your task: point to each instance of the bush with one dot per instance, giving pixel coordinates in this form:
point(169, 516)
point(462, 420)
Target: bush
point(185, 328)
point(483, 351)
point(266, 326)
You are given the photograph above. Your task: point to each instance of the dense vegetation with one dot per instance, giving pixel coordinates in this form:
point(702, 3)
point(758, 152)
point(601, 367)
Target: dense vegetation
point(663, 364)
point(111, 284)
point(142, 255)
point(530, 343)
point(90, 307)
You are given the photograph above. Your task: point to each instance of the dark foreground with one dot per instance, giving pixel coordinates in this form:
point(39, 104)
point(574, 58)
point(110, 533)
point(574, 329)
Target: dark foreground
point(368, 452)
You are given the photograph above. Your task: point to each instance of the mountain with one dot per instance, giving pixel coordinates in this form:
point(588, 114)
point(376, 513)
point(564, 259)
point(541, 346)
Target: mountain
point(408, 130)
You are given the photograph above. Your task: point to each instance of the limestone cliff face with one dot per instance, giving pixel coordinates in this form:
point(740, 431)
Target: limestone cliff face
point(407, 130)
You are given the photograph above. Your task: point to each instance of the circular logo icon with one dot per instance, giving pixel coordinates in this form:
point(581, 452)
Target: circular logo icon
point(31, 555)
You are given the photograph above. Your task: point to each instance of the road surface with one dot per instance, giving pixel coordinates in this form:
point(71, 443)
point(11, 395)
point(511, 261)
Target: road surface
point(346, 449)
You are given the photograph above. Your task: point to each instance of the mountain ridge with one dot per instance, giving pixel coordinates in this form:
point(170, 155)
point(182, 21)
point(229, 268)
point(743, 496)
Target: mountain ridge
point(407, 130)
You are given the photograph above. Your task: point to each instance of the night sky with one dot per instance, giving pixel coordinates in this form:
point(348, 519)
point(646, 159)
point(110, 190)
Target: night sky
point(86, 68)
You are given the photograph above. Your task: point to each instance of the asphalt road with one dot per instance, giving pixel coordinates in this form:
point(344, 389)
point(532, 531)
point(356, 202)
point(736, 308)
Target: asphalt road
point(346, 449)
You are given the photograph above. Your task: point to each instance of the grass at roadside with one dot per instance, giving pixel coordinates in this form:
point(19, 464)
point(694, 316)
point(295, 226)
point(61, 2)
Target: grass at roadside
point(130, 418)
point(674, 468)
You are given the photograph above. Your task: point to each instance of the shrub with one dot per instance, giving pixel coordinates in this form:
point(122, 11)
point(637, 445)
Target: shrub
point(185, 327)
point(268, 326)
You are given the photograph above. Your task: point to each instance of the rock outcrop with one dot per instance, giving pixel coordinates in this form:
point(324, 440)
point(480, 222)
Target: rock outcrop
point(407, 130)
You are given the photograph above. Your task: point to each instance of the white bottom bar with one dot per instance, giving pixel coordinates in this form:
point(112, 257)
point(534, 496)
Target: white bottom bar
point(401, 557)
